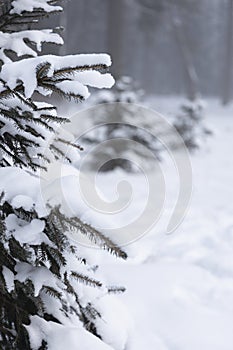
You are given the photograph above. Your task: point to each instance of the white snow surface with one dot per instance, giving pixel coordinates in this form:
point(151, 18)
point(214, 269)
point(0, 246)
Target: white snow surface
point(38, 275)
point(18, 6)
point(70, 87)
point(22, 201)
point(9, 278)
point(16, 41)
point(72, 337)
point(23, 189)
point(14, 72)
point(180, 286)
point(31, 233)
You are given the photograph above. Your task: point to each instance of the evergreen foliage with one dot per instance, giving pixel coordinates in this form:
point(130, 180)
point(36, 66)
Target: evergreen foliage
point(189, 124)
point(124, 120)
point(39, 280)
point(127, 121)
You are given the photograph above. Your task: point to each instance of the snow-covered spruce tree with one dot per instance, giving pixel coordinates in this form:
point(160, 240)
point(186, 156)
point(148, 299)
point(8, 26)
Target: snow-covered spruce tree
point(124, 120)
point(189, 122)
point(41, 271)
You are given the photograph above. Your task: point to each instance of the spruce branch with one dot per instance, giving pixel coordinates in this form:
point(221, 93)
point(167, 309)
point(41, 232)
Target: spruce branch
point(76, 224)
point(115, 289)
point(52, 292)
point(85, 279)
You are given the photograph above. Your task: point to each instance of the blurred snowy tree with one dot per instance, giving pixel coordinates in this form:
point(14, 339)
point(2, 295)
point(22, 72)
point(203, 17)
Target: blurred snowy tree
point(137, 131)
point(125, 121)
point(189, 124)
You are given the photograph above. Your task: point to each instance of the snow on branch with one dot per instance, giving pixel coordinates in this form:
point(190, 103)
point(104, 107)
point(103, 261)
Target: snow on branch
point(68, 75)
point(16, 41)
point(20, 6)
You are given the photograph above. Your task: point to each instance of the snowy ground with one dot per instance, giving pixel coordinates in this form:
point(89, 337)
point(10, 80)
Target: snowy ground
point(180, 286)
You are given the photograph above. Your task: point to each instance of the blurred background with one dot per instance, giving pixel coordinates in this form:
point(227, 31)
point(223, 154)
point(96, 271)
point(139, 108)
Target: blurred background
point(170, 47)
point(175, 57)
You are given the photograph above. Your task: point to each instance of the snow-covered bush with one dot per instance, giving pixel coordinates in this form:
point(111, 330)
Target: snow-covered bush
point(189, 124)
point(122, 120)
point(127, 121)
point(46, 299)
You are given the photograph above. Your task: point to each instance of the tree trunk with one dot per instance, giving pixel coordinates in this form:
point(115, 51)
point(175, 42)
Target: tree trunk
point(229, 55)
point(63, 24)
point(190, 71)
point(115, 36)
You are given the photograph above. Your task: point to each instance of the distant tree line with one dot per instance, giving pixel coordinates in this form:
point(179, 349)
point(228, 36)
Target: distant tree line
point(169, 46)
